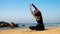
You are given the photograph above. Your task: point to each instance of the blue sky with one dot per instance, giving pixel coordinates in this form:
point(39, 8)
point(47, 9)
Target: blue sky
point(18, 10)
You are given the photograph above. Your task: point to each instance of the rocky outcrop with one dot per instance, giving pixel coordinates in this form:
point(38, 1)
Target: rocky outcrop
point(5, 24)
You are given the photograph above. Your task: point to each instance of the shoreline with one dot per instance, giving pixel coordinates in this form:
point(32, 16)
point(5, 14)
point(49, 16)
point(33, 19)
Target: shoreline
point(49, 30)
point(46, 27)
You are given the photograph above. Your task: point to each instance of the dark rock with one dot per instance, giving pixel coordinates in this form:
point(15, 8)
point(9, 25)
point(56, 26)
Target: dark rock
point(15, 25)
point(5, 24)
point(23, 25)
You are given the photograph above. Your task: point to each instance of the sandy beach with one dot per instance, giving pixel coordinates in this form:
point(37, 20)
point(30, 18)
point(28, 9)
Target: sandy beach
point(49, 30)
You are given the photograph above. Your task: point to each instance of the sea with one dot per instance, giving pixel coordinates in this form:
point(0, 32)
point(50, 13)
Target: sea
point(34, 24)
point(27, 25)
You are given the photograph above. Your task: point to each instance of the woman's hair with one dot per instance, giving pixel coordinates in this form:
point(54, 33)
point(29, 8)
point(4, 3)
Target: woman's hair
point(37, 13)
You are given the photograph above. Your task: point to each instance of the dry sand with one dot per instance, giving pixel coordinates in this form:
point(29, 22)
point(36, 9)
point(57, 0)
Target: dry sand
point(50, 30)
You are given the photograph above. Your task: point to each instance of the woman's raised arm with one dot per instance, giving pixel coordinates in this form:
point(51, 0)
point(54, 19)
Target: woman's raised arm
point(31, 10)
point(34, 6)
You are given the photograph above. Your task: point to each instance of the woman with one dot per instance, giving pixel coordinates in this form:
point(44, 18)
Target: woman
point(38, 17)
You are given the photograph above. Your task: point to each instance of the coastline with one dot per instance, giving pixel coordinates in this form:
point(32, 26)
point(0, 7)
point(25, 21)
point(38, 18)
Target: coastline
point(49, 30)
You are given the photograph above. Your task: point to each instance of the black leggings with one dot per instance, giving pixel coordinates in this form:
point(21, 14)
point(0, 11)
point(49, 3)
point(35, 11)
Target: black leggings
point(39, 26)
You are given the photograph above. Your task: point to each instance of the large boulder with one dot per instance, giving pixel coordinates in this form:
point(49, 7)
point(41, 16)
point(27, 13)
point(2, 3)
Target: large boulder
point(5, 24)
point(15, 25)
